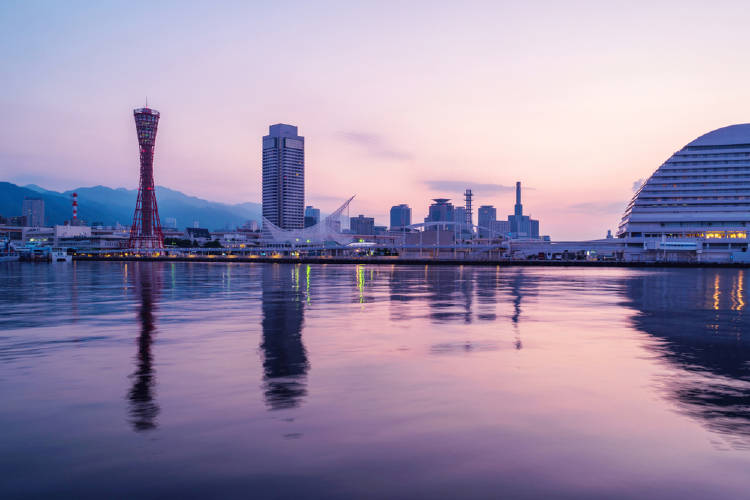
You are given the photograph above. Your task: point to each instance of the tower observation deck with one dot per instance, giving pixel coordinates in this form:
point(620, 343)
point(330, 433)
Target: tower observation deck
point(146, 229)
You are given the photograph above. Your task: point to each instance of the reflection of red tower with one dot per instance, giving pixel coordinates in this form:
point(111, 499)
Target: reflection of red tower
point(146, 229)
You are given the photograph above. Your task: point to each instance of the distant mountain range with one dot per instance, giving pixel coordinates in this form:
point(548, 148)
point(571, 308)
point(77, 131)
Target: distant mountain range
point(112, 206)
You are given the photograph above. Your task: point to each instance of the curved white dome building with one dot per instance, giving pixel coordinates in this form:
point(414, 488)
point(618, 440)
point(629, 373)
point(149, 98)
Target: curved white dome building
point(696, 206)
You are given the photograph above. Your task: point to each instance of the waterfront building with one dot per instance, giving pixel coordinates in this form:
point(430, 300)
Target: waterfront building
point(38, 236)
point(442, 210)
point(696, 205)
point(694, 208)
point(312, 216)
point(199, 234)
point(362, 225)
point(486, 215)
point(33, 210)
point(400, 217)
point(284, 177)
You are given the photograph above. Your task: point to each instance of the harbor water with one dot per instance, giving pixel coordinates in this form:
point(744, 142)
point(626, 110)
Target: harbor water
point(238, 380)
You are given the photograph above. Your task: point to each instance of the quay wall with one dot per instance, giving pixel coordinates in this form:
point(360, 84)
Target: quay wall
point(415, 261)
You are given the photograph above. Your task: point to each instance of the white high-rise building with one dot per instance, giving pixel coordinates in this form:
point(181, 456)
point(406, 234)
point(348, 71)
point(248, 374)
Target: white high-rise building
point(284, 177)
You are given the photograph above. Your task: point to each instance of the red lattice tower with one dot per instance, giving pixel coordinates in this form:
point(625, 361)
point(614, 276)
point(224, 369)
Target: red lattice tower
point(146, 229)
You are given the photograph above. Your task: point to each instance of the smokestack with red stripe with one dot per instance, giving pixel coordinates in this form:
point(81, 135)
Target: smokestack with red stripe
point(75, 209)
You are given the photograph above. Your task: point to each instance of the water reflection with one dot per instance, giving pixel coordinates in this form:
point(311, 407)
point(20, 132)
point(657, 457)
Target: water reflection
point(143, 406)
point(700, 320)
point(285, 363)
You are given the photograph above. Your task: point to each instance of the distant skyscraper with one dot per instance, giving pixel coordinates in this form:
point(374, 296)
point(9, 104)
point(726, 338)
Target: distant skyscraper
point(441, 211)
point(33, 210)
point(522, 226)
point(400, 217)
point(487, 214)
point(362, 225)
point(460, 217)
point(284, 177)
point(312, 216)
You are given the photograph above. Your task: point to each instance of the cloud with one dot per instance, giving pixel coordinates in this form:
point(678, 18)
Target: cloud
point(374, 145)
point(482, 188)
point(637, 184)
point(598, 207)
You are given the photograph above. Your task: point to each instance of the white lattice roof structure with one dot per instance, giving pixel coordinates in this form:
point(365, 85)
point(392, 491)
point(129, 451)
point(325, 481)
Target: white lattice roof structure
point(327, 230)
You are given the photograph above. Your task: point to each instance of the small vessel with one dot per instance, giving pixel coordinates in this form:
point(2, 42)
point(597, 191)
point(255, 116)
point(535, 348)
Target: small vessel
point(59, 255)
point(7, 252)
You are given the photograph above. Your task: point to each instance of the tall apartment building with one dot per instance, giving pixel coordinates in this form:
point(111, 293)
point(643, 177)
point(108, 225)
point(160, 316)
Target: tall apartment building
point(441, 211)
point(312, 216)
point(400, 217)
point(33, 210)
point(487, 214)
point(284, 177)
point(362, 225)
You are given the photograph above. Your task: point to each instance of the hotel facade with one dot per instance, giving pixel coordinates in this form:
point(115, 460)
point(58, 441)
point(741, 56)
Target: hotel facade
point(696, 205)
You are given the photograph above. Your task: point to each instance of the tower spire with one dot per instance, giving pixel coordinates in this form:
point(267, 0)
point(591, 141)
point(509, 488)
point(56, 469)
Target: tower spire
point(519, 207)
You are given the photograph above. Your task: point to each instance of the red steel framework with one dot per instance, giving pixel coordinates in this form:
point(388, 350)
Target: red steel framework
point(146, 229)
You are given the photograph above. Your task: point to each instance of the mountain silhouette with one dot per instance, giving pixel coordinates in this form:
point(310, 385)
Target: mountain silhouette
point(111, 206)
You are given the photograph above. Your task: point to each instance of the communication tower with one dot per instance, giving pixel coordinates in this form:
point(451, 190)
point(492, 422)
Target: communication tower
point(469, 219)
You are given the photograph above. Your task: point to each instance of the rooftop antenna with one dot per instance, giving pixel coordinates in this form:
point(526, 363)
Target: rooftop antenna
point(146, 101)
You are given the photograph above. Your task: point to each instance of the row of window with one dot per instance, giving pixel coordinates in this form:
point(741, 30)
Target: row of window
point(711, 155)
point(707, 162)
point(709, 235)
point(670, 169)
point(655, 197)
point(703, 178)
point(696, 191)
point(693, 205)
point(715, 146)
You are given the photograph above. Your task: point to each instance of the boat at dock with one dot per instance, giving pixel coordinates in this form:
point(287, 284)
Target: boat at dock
point(57, 254)
point(7, 252)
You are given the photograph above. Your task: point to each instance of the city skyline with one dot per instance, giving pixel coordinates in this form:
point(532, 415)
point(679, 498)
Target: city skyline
point(417, 104)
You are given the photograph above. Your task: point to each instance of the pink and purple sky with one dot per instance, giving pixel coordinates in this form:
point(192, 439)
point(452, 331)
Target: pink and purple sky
point(399, 102)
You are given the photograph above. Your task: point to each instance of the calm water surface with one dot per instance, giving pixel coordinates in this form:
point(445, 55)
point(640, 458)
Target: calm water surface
point(147, 380)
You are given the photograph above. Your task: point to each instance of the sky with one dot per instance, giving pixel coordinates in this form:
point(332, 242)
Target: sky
point(399, 102)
